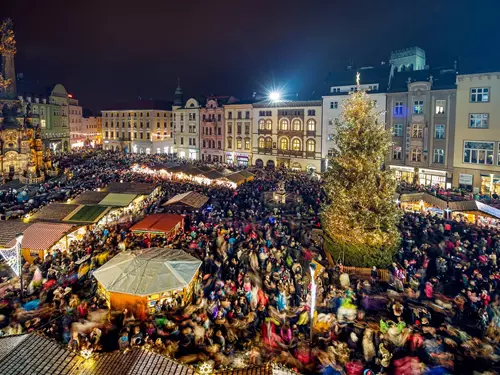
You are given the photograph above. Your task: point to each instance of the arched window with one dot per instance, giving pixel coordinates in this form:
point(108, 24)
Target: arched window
point(297, 125)
point(311, 145)
point(229, 142)
point(247, 143)
point(262, 124)
point(269, 124)
point(284, 124)
point(238, 143)
point(262, 142)
point(296, 144)
point(311, 125)
point(284, 144)
point(269, 142)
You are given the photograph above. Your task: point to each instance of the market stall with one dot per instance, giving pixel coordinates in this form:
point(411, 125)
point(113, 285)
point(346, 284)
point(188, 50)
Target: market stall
point(475, 212)
point(138, 280)
point(167, 225)
point(190, 201)
point(40, 238)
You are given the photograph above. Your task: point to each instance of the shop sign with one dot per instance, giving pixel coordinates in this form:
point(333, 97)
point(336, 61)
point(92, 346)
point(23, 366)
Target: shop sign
point(465, 179)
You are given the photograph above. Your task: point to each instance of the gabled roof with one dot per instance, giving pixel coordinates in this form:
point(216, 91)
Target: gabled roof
point(157, 223)
point(90, 197)
point(117, 200)
point(236, 178)
point(54, 212)
point(88, 214)
point(139, 188)
point(9, 229)
point(42, 236)
point(191, 199)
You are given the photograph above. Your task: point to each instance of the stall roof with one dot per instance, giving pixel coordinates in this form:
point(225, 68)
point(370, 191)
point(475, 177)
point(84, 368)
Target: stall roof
point(9, 229)
point(246, 173)
point(55, 212)
point(117, 200)
point(88, 214)
point(90, 197)
point(42, 236)
point(475, 206)
point(236, 178)
point(36, 354)
point(147, 272)
point(158, 223)
point(137, 188)
point(191, 198)
point(213, 175)
point(426, 197)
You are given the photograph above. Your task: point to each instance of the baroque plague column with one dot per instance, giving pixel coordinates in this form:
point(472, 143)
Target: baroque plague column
point(20, 142)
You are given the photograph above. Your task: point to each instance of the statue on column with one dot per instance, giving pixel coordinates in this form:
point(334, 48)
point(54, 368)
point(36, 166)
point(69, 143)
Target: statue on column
point(8, 50)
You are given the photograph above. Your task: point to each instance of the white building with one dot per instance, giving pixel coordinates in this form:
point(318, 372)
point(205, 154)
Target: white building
point(186, 126)
point(287, 133)
point(143, 128)
point(77, 136)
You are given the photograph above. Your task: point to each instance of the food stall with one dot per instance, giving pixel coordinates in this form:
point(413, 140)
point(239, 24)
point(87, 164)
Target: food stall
point(167, 225)
point(138, 280)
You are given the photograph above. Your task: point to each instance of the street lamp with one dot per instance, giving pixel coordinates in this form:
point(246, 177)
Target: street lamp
point(312, 269)
point(274, 96)
point(19, 250)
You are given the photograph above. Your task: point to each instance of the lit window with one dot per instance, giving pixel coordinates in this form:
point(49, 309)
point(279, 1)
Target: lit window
point(229, 142)
point(296, 144)
point(478, 152)
point(439, 132)
point(418, 106)
point(284, 144)
point(417, 131)
point(284, 124)
point(478, 120)
point(297, 125)
point(438, 156)
point(247, 143)
point(311, 125)
point(261, 143)
point(311, 145)
point(397, 130)
point(238, 143)
point(262, 124)
point(480, 94)
point(440, 107)
point(398, 108)
point(43, 124)
point(269, 142)
point(416, 155)
point(269, 124)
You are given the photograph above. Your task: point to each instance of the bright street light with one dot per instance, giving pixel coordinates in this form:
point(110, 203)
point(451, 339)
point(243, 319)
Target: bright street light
point(274, 96)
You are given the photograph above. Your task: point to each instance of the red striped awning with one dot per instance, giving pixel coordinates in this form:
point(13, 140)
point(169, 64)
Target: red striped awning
point(42, 236)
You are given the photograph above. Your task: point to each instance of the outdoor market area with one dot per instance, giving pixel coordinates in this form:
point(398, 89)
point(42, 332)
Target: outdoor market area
point(147, 264)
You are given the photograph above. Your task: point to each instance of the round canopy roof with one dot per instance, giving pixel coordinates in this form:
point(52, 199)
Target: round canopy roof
point(148, 271)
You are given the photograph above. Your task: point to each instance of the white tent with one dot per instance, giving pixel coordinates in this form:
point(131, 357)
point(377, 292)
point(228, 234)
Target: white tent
point(147, 272)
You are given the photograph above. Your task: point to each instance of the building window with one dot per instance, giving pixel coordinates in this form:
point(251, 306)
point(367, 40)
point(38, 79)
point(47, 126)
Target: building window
point(261, 143)
point(478, 152)
point(247, 143)
point(480, 94)
point(269, 124)
point(439, 132)
point(106, 134)
point(182, 117)
point(416, 155)
point(334, 105)
point(330, 137)
point(219, 145)
point(229, 128)
point(296, 144)
point(397, 130)
point(269, 142)
point(247, 128)
point(230, 115)
point(418, 106)
point(396, 153)
point(239, 115)
point(417, 131)
point(284, 144)
point(229, 142)
point(247, 115)
point(284, 124)
point(311, 112)
point(398, 108)
point(219, 117)
point(311, 125)
point(182, 140)
point(261, 124)
point(239, 128)
point(204, 144)
point(438, 156)
point(440, 107)
point(238, 143)
point(478, 120)
point(297, 125)
point(311, 145)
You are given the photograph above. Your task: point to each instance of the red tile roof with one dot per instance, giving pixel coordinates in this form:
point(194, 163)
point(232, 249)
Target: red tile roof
point(42, 236)
point(164, 223)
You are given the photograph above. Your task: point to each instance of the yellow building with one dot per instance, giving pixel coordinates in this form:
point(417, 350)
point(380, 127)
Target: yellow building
point(477, 136)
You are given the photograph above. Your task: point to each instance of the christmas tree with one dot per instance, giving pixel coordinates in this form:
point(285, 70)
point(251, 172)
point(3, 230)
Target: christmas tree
point(360, 217)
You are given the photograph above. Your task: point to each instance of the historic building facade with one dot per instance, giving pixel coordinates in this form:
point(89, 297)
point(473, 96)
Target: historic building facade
point(186, 126)
point(238, 145)
point(477, 137)
point(287, 133)
point(142, 127)
point(422, 120)
point(212, 125)
point(77, 135)
point(91, 131)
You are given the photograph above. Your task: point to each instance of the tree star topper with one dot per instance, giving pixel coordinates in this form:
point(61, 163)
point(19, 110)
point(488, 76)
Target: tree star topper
point(358, 79)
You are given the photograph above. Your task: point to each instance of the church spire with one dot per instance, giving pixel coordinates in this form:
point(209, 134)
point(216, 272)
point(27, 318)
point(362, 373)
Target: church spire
point(178, 94)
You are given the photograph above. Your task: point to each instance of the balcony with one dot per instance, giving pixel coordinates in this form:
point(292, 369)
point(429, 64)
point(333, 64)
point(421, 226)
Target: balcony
point(290, 153)
point(291, 133)
point(265, 150)
point(265, 131)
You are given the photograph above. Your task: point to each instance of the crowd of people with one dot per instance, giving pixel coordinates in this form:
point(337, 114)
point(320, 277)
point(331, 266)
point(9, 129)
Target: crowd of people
point(437, 312)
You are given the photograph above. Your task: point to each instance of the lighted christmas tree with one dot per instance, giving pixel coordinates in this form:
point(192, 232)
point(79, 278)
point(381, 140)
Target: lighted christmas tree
point(360, 217)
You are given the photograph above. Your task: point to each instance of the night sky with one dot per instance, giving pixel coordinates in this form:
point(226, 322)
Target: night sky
point(110, 51)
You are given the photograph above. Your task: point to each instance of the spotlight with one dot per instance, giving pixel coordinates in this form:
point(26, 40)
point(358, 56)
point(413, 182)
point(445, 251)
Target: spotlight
point(274, 96)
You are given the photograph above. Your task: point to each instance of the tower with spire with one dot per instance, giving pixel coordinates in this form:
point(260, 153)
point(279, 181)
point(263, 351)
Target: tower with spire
point(179, 100)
